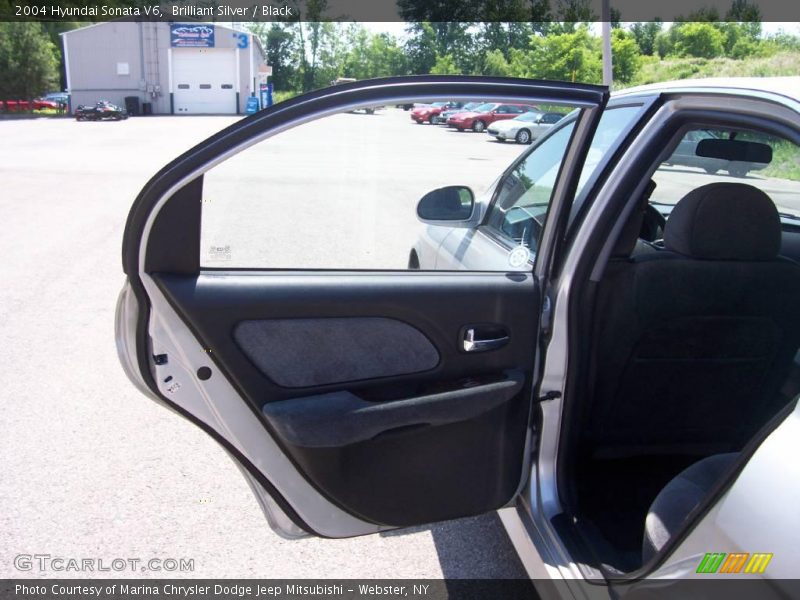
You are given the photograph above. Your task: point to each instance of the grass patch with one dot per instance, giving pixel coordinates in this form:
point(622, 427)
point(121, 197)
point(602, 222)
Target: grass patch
point(785, 155)
point(785, 161)
point(281, 96)
point(32, 114)
point(655, 70)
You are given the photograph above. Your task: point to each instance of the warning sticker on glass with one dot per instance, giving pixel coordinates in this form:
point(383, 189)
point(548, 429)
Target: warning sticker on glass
point(219, 252)
point(519, 257)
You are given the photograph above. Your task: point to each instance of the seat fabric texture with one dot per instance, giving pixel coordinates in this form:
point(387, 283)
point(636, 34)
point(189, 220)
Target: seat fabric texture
point(692, 343)
point(679, 498)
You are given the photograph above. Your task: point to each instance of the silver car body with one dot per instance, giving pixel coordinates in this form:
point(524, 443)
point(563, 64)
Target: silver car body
point(534, 124)
point(768, 487)
point(769, 481)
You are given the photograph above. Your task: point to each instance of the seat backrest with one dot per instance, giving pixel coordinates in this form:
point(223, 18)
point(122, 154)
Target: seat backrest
point(692, 344)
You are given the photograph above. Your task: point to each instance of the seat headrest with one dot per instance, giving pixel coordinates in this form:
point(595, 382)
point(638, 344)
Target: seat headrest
point(725, 221)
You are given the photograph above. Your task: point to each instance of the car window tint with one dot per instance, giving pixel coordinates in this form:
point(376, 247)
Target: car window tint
point(612, 124)
point(345, 191)
point(521, 206)
point(341, 192)
point(684, 170)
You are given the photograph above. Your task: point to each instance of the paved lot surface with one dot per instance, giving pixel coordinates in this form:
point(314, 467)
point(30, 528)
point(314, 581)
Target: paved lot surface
point(89, 467)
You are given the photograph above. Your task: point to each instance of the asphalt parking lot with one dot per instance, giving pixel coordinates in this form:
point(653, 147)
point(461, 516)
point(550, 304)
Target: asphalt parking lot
point(90, 468)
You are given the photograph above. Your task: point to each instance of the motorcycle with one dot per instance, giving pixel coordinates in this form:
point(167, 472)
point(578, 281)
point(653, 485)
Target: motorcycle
point(102, 111)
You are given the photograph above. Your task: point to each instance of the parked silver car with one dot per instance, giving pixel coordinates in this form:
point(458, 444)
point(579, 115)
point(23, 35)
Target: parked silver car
point(525, 128)
point(602, 347)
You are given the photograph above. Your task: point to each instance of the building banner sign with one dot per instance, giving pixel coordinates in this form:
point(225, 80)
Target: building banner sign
point(186, 35)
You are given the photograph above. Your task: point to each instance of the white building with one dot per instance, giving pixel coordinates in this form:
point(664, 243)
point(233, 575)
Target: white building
point(170, 68)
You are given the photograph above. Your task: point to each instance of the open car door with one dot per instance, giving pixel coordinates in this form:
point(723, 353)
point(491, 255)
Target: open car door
point(354, 400)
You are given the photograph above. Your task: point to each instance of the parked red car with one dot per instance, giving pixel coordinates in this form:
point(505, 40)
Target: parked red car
point(486, 114)
point(24, 105)
point(429, 112)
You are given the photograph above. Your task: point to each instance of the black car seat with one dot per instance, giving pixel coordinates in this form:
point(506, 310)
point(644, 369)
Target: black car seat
point(692, 343)
point(679, 498)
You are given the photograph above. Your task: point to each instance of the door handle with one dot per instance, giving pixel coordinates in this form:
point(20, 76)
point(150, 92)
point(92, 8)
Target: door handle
point(473, 341)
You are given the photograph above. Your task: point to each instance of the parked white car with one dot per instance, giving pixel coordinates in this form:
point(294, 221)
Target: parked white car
point(525, 128)
point(603, 347)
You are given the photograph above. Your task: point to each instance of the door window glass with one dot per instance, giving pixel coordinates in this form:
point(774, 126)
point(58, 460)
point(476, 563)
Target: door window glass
point(520, 209)
point(524, 195)
point(686, 169)
point(341, 192)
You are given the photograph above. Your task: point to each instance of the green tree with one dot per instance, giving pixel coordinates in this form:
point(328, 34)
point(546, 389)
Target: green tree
point(744, 47)
point(745, 37)
point(385, 56)
point(504, 11)
point(28, 63)
point(780, 42)
point(704, 14)
point(571, 15)
point(645, 35)
point(445, 65)
point(307, 23)
point(664, 43)
point(417, 11)
point(372, 55)
point(747, 16)
point(421, 48)
point(53, 30)
point(572, 56)
point(479, 11)
point(496, 64)
point(332, 54)
point(701, 40)
point(627, 58)
point(280, 43)
point(358, 42)
point(541, 16)
point(520, 62)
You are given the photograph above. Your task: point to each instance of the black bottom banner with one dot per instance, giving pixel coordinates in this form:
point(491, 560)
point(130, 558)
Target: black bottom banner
point(371, 589)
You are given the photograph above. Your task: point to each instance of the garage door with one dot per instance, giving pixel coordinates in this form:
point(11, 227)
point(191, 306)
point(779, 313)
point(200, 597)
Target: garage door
point(204, 80)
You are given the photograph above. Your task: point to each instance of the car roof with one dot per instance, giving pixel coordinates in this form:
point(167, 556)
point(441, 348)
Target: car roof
point(788, 87)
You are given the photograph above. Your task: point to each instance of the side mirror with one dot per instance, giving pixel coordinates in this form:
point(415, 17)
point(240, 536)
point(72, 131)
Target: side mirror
point(447, 205)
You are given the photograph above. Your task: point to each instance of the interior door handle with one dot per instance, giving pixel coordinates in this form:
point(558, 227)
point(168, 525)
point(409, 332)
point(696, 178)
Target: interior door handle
point(473, 341)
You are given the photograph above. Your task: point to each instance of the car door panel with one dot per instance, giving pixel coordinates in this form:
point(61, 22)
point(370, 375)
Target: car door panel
point(382, 445)
point(327, 350)
point(372, 413)
point(422, 473)
point(434, 304)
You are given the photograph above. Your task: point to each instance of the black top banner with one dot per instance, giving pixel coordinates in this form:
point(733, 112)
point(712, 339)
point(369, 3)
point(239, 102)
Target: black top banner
point(463, 11)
